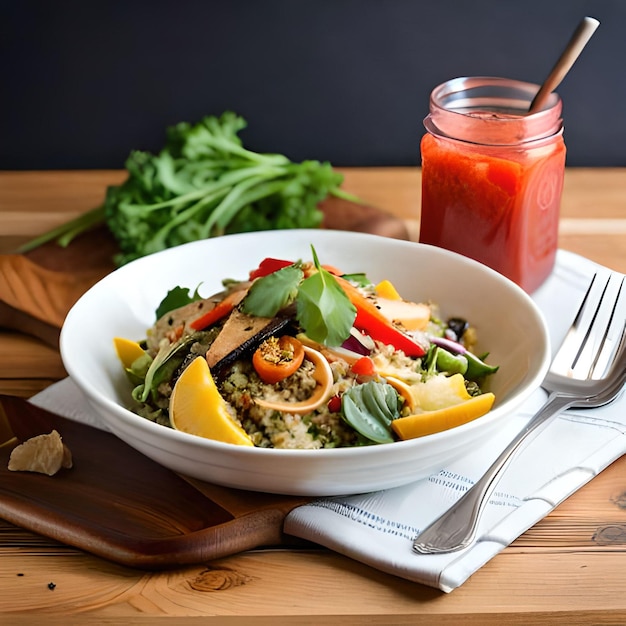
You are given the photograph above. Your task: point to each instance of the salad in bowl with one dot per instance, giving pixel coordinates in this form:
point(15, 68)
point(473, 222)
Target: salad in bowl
point(410, 356)
point(299, 354)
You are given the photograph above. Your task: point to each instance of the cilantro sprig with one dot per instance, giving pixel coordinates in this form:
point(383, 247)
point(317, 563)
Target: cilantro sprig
point(204, 183)
point(322, 307)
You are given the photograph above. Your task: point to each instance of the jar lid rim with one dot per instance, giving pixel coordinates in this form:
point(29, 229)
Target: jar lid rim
point(490, 110)
point(465, 88)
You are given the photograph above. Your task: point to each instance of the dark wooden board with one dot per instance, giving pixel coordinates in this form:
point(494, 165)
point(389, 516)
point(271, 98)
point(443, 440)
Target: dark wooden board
point(118, 504)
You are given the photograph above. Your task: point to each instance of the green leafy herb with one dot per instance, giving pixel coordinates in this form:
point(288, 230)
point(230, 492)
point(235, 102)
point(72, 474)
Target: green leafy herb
point(175, 298)
point(370, 408)
point(360, 279)
point(201, 184)
point(323, 308)
point(271, 293)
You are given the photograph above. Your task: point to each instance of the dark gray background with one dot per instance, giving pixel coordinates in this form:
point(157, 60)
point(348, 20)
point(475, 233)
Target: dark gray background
point(83, 82)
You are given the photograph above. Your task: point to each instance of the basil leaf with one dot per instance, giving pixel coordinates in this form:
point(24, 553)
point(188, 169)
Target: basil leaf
point(323, 308)
point(370, 408)
point(271, 293)
point(175, 298)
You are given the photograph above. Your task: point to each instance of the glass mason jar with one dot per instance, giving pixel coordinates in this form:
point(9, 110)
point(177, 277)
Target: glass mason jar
point(492, 176)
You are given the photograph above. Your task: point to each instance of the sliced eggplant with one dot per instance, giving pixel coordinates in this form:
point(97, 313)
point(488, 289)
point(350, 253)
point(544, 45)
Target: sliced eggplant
point(240, 336)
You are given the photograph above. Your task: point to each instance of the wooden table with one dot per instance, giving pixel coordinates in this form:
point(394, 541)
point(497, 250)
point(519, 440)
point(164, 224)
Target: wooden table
point(568, 569)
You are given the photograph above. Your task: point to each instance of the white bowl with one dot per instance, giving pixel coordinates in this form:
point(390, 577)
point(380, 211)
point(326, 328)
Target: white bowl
point(509, 326)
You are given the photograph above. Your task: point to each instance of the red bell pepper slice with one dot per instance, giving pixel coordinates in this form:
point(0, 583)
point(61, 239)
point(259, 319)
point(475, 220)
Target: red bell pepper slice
point(376, 325)
point(219, 311)
point(268, 266)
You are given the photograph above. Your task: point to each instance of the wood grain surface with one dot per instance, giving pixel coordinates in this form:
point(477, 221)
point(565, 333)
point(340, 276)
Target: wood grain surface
point(570, 568)
point(118, 504)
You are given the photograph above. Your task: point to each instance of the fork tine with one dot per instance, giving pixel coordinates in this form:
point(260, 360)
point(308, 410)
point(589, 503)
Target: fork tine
point(590, 343)
point(590, 339)
point(615, 326)
point(570, 348)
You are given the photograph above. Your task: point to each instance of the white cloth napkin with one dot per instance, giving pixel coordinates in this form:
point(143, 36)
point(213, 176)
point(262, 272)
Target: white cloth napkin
point(379, 528)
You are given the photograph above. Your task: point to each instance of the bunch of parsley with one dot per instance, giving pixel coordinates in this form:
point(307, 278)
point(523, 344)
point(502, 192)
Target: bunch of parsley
point(205, 183)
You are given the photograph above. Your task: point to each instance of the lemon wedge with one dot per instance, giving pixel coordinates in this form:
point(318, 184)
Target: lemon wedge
point(431, 422)
point(197, 408)
point(128, 351)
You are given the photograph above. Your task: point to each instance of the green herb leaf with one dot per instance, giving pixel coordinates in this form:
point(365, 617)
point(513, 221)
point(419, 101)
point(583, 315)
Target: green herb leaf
point(370, 408)
point(204, 183)
point(359, 279)
point(323, 309)
point(175, 298)
point(273, 292)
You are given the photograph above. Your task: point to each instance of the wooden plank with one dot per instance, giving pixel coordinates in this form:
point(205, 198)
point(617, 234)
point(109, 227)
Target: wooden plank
point(24, 388)
point(28, 358)
point(608, 250)
point(33, 202)
point(330, 589)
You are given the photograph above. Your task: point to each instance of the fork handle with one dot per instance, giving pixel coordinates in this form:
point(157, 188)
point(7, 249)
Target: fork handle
point(456, 528)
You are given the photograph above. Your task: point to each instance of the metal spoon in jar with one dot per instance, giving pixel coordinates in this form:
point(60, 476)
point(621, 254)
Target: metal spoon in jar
point(572, 51)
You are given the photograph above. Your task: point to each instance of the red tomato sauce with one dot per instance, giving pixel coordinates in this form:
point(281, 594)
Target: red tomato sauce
point(496, 204)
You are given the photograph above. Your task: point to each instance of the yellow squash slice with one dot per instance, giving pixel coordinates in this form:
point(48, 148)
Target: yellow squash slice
point(197, 408)
point(404, 390)
point(438, 420)
point(411, 315)
point(128, 351)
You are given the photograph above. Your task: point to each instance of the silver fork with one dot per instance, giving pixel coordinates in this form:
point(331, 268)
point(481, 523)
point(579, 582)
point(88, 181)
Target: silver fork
point(589, 370)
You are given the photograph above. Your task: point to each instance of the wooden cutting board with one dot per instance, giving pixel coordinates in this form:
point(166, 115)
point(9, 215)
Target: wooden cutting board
point(118, 504)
